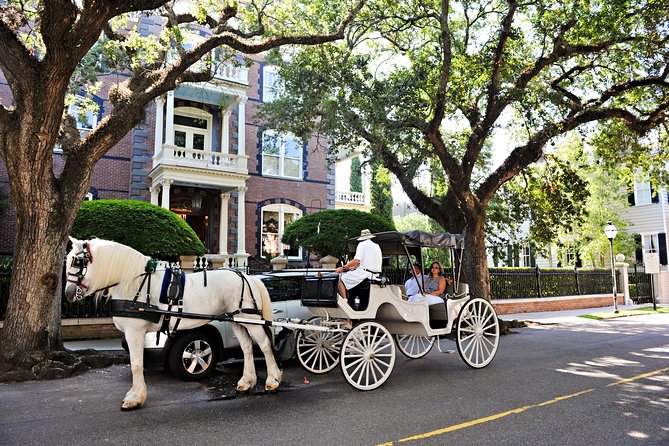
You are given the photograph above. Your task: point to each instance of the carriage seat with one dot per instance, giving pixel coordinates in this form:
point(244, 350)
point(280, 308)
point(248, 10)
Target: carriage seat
point(439, 312)
point(361, 291)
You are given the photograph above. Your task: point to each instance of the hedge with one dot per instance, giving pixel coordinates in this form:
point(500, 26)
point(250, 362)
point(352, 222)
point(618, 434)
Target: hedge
point(150, 229)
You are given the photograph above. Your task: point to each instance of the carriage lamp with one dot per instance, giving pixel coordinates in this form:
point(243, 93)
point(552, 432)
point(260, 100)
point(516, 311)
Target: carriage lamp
point(611, 232)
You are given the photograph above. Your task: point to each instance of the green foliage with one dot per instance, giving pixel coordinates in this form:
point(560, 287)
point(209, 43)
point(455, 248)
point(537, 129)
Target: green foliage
point(381, 193)
point(424, 223)
point(356, 177)
point(427, 85)
point(150, 229)
point(327, 232)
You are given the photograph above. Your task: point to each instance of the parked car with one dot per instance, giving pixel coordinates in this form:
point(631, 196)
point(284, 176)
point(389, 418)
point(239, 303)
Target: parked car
point(193, 354)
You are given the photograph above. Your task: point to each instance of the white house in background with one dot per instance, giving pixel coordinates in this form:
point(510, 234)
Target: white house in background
point(344, 197)
point(647, 220)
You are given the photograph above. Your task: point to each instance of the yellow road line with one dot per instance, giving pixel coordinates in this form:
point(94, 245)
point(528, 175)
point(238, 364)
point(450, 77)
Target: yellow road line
point(518, 410)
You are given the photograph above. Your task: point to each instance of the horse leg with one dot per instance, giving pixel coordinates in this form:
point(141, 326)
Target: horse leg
point(274, 373)
point(136, 396)
point(249, 378)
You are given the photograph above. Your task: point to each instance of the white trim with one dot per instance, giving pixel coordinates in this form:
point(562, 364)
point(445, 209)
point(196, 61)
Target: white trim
point(196, 113)
point(282, 209)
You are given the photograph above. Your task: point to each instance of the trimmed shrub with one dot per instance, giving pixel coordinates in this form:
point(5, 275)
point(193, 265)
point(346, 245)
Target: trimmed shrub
point(150, 229)
point(337, 226)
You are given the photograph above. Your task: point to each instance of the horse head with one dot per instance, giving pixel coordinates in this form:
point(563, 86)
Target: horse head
point(77, 262)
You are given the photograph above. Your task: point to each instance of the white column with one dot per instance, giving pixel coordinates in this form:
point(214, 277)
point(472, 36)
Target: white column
point(158, 144)
point(225, 133)
point(223, 225)
point(169, 119)
point(154, 194)
point(241, 127)
point(241, 220)
point(166, 193)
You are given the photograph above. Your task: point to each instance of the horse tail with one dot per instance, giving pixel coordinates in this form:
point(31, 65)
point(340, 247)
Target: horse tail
point(266, 302)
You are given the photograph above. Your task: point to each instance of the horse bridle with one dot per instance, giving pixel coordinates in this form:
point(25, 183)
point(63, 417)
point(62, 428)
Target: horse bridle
point(81, 261)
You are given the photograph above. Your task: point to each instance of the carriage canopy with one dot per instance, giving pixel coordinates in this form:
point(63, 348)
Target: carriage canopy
point(394, 242)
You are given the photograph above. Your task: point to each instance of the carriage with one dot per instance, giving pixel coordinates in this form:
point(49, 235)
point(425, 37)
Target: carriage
point(362, 338)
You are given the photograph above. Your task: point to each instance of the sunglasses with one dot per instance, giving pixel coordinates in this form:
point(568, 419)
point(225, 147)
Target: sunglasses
point(435, 266)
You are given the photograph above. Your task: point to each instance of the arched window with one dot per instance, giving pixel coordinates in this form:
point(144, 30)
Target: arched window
point(275, 218)
point(192, 128)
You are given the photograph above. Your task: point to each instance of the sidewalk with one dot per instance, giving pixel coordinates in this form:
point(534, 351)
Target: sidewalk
point(555, 317)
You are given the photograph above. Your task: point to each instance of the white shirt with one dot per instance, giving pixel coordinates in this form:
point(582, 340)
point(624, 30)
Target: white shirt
point(411, 286)
point(371, 259)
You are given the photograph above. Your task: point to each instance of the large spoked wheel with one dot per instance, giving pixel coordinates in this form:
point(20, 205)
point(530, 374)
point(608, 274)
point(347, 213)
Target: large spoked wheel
point(318, 351)
point(413, 346)
point(477, 334)
point(367, 356)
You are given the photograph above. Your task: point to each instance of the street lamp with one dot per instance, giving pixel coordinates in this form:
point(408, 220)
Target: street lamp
point(611, 232)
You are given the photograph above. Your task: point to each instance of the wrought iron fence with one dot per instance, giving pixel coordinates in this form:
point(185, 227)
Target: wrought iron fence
point(640, 284)
point(520, 283)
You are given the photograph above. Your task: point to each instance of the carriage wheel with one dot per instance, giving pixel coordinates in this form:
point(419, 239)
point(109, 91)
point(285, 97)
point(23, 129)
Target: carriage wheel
point(318, 351)
point(413, 346)
point(367, 355)
point(477, 334)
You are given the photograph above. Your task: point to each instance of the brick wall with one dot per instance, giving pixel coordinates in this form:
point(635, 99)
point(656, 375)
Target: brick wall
point(508, 306)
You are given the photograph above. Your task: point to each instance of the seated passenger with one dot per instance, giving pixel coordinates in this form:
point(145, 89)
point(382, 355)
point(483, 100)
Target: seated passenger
point(436, 283)
point(415, 291)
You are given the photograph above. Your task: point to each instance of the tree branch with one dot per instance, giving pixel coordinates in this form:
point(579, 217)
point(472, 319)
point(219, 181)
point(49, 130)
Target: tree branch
point(444, 75)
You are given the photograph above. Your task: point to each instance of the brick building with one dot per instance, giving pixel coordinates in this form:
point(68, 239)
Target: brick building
point(200, 152)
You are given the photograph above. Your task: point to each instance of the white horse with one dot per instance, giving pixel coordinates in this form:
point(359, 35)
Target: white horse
point(97, 264)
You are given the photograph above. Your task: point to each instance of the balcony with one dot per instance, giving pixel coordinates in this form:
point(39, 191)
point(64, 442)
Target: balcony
point(350, 197)
point(352, 200)
point(203, 160)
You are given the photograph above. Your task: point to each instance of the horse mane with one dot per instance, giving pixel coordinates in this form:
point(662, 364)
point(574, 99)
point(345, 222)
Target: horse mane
point(118, 264)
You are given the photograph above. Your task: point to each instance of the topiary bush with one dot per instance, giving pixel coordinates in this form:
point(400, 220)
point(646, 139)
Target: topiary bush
point(337, 226)
point(150, 229)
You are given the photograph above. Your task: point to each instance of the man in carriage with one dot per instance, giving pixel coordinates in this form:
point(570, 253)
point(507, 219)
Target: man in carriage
point(366, 263)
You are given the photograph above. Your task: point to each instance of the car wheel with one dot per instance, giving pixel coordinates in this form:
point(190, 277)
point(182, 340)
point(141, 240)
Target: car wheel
point(194, 356)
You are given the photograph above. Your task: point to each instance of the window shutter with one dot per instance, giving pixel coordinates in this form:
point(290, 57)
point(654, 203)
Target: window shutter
point(630, 195)
point(533, 261)
point(662, 241)
point(654, 197)
point(638, 248)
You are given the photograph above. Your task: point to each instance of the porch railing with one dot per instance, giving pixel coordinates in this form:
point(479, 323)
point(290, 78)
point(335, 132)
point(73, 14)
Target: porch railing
point(202, 159)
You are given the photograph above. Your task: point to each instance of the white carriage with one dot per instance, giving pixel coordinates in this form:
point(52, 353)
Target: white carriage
point(362, 342)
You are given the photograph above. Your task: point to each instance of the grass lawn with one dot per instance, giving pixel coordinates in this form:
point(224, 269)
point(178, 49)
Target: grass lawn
point(625, 313)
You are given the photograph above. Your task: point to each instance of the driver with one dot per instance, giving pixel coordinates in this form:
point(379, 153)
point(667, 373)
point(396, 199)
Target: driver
point(365, 264)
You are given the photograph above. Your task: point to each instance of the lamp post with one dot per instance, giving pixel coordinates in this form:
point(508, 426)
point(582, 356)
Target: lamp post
point(611, 232)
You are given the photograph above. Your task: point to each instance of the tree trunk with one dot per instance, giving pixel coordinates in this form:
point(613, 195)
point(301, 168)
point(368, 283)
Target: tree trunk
point(45, 210)
point(475, 266)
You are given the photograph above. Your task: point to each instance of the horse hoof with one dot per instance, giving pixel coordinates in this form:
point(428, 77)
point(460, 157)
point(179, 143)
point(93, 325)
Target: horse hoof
point(243, 390)
point(271, 388)
point(126, 407)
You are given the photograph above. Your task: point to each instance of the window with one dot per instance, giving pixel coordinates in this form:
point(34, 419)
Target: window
point(192, 128)
point(275, 218)
point(642, 193)
point(86, 119)
point(526, 256)
point(270, 78)
point(281, 155)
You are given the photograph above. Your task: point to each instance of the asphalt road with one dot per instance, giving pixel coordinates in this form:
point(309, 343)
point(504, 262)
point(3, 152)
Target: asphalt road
point(571, 383)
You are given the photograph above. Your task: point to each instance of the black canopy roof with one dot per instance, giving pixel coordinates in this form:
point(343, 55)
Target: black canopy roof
point(393, 242)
